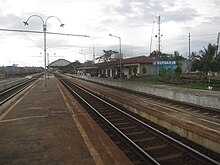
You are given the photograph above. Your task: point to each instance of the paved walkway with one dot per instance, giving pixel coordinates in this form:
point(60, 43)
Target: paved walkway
point(50, 127)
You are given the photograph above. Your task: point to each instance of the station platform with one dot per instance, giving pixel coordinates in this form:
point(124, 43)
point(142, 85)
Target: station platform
point(190, 123)
point(50, 127)
point(202, 98)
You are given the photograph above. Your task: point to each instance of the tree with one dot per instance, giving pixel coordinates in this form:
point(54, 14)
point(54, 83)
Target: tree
point(194, 56)
point(195, 62)
point(144, 70)
point(195, 65)
point(107, 55)
point(218, 62)
point(177, 57)
point(159, 56)
point(178, 72)
point(208, 59)
point(135, 70)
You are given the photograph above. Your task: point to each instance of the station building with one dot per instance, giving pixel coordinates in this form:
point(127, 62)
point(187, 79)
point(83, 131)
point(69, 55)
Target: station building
point(135, 66)
point(58, 64)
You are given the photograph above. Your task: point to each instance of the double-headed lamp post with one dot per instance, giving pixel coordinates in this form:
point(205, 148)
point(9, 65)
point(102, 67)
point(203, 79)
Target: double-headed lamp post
point(119, 53)
point(45, 44)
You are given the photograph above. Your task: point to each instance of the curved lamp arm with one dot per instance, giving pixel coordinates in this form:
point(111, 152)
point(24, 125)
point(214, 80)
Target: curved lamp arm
point(61, 24)
point(26, 22)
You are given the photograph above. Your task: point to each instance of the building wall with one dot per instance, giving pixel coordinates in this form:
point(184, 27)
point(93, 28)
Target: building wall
point(128, 70)
point(149, 69)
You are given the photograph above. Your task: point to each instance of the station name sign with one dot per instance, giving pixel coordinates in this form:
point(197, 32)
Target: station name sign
point(165, 63)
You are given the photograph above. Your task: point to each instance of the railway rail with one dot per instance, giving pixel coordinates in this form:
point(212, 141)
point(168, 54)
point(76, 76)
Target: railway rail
point(7, 94)
point(142, 143)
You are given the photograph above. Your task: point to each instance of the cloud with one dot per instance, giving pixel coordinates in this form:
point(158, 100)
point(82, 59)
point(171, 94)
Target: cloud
point(182, 15)
point(132, 20)
point(10, 21)
point(137, 13)
point(216, 2)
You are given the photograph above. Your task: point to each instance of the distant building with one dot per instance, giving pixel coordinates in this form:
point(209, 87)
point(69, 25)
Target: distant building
point(59, 63)
point(15, 71)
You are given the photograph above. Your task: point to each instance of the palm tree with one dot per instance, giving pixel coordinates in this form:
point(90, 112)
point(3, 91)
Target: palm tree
point(208, 59)
point(194, 56)
point(195, 62)
point(218, 62)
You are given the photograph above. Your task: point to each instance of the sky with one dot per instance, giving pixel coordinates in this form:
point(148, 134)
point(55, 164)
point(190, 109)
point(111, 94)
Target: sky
point(134, 21)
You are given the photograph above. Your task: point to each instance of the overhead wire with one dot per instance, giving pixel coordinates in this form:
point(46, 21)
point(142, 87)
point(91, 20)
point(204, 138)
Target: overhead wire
point(36, 43)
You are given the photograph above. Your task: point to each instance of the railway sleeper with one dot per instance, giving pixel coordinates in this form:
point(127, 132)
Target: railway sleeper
point(132, 130)
point(115, 116)
point(122, 123)
point(174, 157)
point(135, 133)
point(164, 151)
point(155, 147)
point(128, 127)
point(117, 120)
point(144, 139)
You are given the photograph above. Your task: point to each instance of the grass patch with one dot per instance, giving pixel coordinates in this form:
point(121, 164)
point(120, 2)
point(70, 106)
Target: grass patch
point(182, 83)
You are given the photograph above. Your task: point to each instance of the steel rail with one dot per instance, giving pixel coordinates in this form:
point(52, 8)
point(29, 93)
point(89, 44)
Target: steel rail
point(149, 158)
point(202, 156)
point(24, 84)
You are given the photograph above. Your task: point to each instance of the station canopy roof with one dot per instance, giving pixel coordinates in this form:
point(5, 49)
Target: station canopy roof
point(59, 63)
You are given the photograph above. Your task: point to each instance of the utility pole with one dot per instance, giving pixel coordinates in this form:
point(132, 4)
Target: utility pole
point(93, 50)
point(151, 36)
point(189, 46)
point(48, 66)
point(217, 44)
point(159, 46)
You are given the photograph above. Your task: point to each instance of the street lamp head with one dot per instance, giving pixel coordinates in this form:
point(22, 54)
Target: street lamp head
point(25, 23)
point(61, 25)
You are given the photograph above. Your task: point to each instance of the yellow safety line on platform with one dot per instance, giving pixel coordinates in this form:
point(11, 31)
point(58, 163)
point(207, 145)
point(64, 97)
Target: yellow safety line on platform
point(22, 118)
point(6, 112)
point(95, 155)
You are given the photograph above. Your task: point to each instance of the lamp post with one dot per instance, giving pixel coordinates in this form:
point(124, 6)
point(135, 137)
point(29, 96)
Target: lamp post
point(45, 44)
point(119, 53)
point(84, 65)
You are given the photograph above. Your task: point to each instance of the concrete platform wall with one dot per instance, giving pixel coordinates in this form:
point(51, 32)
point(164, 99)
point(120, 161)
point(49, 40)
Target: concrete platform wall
point(18, 81)
point(11, 84)
point(204, 98)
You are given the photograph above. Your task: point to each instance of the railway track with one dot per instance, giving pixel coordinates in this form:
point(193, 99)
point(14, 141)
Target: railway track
point(142, 143)
point(14, 90)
